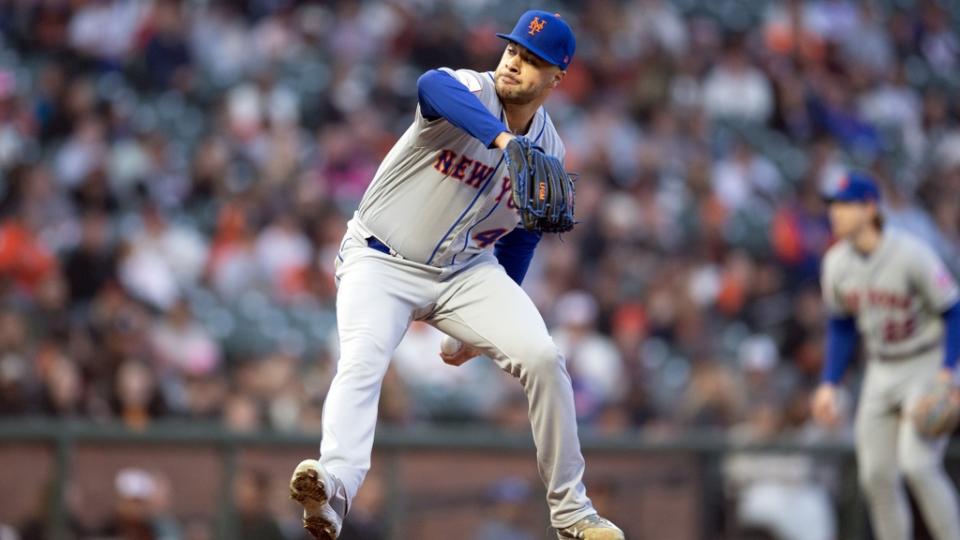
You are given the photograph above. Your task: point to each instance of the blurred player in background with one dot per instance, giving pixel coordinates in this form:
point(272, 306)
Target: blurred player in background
point(436, 238)
point(895, 292)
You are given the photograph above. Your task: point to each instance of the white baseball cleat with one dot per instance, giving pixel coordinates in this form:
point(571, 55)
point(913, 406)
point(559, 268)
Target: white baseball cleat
point(592, 528)
point(312, 486)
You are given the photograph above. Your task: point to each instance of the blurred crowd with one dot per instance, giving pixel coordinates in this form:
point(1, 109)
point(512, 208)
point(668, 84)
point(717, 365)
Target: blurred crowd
point(176, 177)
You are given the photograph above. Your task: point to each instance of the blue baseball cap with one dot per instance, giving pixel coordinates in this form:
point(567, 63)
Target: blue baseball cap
point(546, 35)
point(855, 187)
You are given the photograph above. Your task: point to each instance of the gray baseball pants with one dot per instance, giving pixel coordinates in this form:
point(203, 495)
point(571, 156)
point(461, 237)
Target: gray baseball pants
point(888, 448)
point(378, 295)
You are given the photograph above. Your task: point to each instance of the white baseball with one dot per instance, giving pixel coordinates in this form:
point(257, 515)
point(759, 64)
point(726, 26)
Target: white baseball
point(450, 345)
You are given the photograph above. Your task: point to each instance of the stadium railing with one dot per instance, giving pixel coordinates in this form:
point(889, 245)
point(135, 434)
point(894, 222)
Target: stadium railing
point(701, 456)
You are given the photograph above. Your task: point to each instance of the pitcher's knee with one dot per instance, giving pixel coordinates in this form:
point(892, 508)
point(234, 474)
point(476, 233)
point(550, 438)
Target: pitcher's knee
point(542, 358)
point(363, 364)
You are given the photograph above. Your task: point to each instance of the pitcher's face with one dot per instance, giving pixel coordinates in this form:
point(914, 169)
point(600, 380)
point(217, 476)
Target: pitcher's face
point(523, 77)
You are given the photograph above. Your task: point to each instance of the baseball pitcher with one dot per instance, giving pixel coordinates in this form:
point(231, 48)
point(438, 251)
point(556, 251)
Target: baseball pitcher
point(444, 234)
point(893, 291)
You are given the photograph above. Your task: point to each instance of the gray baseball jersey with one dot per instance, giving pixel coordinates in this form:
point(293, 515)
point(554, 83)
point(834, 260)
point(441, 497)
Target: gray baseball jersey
point(439, 201)
point(896, 293)
point(440, 196)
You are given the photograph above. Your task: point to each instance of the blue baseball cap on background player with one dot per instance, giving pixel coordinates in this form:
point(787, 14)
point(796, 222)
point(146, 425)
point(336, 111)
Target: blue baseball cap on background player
point(546, 35)
point(855, 187)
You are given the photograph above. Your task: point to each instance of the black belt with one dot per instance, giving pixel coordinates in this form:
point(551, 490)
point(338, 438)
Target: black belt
point(372, 242)
point(911, 354)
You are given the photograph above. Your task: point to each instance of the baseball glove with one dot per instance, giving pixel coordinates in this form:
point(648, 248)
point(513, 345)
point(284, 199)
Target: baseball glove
point(937, 413)
point(542, 189)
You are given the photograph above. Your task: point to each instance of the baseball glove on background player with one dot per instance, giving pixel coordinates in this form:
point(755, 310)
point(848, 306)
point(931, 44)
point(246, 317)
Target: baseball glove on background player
point(542, 189)
point(938, 412)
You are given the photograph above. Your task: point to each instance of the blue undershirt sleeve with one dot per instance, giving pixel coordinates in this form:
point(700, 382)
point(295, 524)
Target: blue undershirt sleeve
point(841, 342)
point(442, 96)
point(951, 341)
point(514, 251)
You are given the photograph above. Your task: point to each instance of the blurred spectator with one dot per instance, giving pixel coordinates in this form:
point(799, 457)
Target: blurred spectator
point(507, 512)
point(512, 415)
point(833, 111)
point(781, 494)
point(280, 390)
point(119, 325)
point(220, 41)
point(593, 361)
point(203, 396)
point(106, 30)
point(937, 40)
point(438, 391)
point(161, 259)
point(894, 105)
point(713, 399)
point(764, 380)
point(137, 400)
point(656, 23)
point(901, 211)
point(182, 345)
point(16, 372)
point(90, 265)
point(166, 525)
point(745, 180)
point(15, 390)
point(241, 414)
point(800, 234)
point(735, 88)
point(134, 516)
point(232, 265)
point(39, 525)
point(166, 51)
point(49, 316)
point(82, 154)
point(24, 260)
point(13, 138)
point(366, 521)
point(42, 206)
point(394, 400)
point(62, 382)
point(250, 493)
point(283, 252)
point(867, 42)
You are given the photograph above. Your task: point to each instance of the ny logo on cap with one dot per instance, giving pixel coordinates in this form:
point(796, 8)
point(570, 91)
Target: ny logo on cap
point(536, 25)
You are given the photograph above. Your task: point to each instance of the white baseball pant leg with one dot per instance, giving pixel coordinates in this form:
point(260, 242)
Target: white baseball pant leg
point(483, 307)
point(888, 446)
point(376, 299)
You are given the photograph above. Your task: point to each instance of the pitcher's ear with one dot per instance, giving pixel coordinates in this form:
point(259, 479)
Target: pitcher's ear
point(558, 77)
